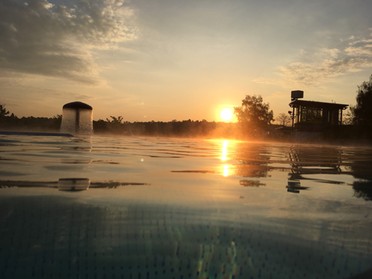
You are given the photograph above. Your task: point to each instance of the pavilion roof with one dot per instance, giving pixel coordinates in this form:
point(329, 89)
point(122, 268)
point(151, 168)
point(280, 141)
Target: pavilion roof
point(314, 104)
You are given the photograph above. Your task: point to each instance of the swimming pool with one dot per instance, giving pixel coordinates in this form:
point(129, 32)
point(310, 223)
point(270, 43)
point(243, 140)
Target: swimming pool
point(183, 208)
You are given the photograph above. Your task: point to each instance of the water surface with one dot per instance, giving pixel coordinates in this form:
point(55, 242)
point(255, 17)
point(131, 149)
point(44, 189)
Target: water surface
point(183, 208)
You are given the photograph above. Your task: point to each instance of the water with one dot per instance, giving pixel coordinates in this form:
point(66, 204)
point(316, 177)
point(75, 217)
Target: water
point(183, 208)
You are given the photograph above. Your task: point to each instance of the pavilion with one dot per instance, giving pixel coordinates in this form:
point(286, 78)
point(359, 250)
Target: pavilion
point(315, 115)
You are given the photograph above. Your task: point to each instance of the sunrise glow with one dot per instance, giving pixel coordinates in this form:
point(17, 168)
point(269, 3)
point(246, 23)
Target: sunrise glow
point(227, 114)
point(179, 60)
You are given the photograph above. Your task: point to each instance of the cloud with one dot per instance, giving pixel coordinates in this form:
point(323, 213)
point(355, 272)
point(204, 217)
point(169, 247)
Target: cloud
point(354, 56)
point(58, 38)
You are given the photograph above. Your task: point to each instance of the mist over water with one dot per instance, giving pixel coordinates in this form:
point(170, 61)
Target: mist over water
point(184, 208)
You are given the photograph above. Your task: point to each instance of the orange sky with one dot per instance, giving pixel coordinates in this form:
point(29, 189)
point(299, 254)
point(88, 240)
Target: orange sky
point(169, 60)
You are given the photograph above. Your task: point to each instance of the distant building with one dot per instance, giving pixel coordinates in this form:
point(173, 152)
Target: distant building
point(311, 114)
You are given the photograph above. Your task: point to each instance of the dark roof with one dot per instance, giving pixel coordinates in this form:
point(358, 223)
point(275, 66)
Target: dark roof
point(78, 105)
point(313, 104)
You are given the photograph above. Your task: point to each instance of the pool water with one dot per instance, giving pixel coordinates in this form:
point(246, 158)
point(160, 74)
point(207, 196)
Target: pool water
point(184, 208)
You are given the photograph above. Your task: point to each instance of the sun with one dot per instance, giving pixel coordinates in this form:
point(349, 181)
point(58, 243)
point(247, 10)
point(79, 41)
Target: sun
point(227, 114)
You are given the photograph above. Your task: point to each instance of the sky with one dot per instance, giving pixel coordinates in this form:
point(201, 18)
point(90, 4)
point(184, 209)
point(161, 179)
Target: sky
point(167, 60)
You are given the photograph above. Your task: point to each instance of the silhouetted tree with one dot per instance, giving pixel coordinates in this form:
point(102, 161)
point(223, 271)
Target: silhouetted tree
point(363, 109)
point(3, 116)
point(254, 115)
point(283, 119)
point(3, 111)
point(100, 125)
point(116, 124)
point(115, 120)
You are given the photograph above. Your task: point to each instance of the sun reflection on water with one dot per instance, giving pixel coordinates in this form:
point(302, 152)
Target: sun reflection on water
point(225, 150)
point(226, 170)
point(227, 147)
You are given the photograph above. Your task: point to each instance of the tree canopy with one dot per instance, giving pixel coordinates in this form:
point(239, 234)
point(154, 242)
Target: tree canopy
point(254, 115)
point(3, 111)
point(283, 119)
point(363, 109)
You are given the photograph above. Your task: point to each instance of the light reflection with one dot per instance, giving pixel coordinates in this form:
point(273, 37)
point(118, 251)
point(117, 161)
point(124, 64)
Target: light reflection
point(224, 150)
point(227, 147)
point(226, 170)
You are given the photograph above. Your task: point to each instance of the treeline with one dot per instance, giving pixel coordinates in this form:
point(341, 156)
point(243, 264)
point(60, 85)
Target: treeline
point(117, 126)
point(13, 122)
point(155, 128)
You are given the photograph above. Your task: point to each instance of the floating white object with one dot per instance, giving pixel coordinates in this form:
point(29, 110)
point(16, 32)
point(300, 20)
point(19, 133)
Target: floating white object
point(73, 184)
point(77, 118)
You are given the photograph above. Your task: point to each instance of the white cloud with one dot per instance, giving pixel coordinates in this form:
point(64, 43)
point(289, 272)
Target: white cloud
point(58, 38)
point(355, 55)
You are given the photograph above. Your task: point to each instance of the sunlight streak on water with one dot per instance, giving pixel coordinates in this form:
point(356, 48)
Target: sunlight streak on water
point(226, 170)
point(224, 150)
point(227, 150)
